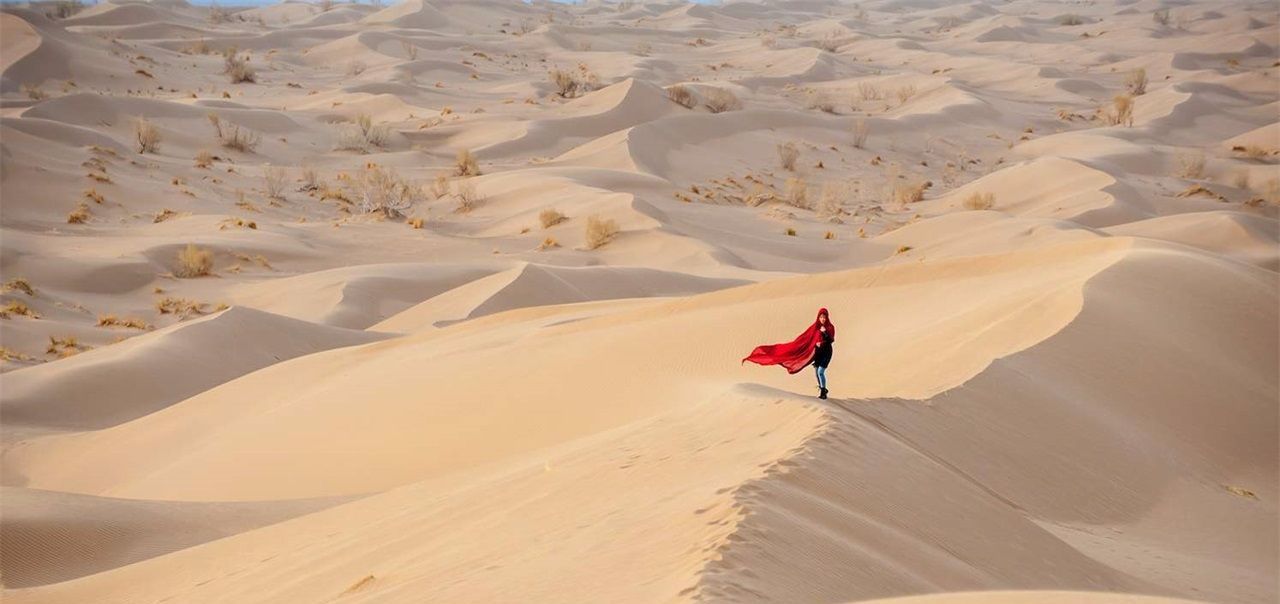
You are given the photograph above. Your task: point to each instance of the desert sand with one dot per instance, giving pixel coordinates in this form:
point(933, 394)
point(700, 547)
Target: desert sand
point(445, 301)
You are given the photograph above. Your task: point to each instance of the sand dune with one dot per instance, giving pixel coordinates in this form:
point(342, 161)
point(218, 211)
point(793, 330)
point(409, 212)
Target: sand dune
point(445, 301)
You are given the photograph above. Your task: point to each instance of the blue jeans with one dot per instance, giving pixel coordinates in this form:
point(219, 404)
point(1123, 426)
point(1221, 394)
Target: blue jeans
point(822, 376)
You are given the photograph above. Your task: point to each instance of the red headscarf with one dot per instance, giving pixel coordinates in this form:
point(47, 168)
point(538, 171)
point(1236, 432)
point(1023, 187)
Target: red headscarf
point(796, 354)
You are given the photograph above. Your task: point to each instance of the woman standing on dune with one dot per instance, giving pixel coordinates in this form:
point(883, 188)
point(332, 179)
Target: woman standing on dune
point(813, 347)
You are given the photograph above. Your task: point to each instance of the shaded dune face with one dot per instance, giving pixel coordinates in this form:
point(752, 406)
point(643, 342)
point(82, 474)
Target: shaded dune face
point(445, 301)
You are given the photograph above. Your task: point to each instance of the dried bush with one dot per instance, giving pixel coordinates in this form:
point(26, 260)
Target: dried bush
point(80, 215)
point(908, 192)
point(274, 178)
point(1121, 112)
point(194, 262)
point(788, 155)
point(383, 190)
point(796, 193)
point(109, 320)
point(681, 95)
point(233, 136)
point(831, 201)
point(1191, 166)
point(643, 49)
point(410, 50)
point(904, 93)
point(468, 198)
point(550, 217)
point(821, 101)
point(440, 186)
point(979, 201)
point(34, 92)
point(860, 132)
point(600, 231)
point(1136, 82)
point(147, 136)
point(829, 42)
point(465, 164)
point(363, 135)
point(204, 159)
point(1161, 17)
point(237, 67)
point(1070, 20)
point(719, 100)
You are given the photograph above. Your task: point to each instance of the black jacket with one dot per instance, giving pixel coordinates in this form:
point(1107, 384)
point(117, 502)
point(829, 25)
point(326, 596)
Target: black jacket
point(822, 353)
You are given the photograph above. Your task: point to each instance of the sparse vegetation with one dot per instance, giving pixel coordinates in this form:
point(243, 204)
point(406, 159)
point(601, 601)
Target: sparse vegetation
point(110, 320)
point(796, 193)
point(720, 100)
point(274, 179)
point(465, 163)
point(147, 136)
point(908, 192)
point(860, 132)
point(904, 93)
point(64, 347)
point(204, 159)
point(410, 50)
point(17, 307)
point(237, 67)
point(550, 217)
point(548, 243)
point(194, 262)
point(181, 307)
point(1121, 111)
point(34, 92)
point(570, 84)
point(681, 95)
point(362, 135)
point(869, 92)
point(383, 190)
point(788, 155)
point(1136, 82)
point(1070, 20)
point(233, 136)
point(791, 232)
point(979, 201)
point(821, 102)
point(467, 196)
point(1161, 17)
point(600, 231)
point(1191, 166)
point(80, 215)
point(19, 284)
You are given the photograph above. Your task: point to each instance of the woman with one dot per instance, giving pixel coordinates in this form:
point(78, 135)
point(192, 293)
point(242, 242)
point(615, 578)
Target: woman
point(813, 347)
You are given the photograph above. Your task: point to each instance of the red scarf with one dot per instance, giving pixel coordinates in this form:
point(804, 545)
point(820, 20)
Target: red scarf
point(796, 354)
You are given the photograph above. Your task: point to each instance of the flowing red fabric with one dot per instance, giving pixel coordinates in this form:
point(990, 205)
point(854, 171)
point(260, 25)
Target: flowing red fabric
point(796, 354)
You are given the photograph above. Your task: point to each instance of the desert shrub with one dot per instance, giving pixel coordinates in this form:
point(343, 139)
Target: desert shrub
point(860, 132)
point(204, 159)
point(1070, 20)
point(719, 100)
point(1254, 152)
point(550, 217)
point(869, 92)
point(1190, 165)
point(829, 42)
point(147, 135)
point(362, 135)
point(979, 201)
point(796, 193)
point(383, 190)
point(17, 307)
point(233, 136)
point(821, 102)
point(80, 215)
point(681, 95)
point(905, 92)
point(788, 155)
point(18, 284)
point(410, 50)
point(908, 192)
point(1161, 17)
point(831, 200)
point(181, 307)
point(643, 49)
point(109, 320)
point(193, 262)
point(465, 163)
point(828, 235)
point(65, 8)
point(791, 232)
point(34, 92)
point(548, 243)
point(1136, 82)
point(467, 196)
point(237, 67)
point(439, 186)
point(1121, 112)
point(600, 231)
point(563, 80)
point(274, 179)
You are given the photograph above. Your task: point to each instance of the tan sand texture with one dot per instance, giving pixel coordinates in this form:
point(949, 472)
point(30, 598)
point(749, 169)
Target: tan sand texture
point(445, 301)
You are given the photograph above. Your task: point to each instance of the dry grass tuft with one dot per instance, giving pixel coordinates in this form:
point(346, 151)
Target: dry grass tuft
point(383, 190)
point(147, 136)
point(979, 201)
point(908, 192)
point(181, 307)
point(869, 92)
point(237, 67)
point(274, 179)
point(1191, 166)
point(1136, 82)
point(1240, 491)
point(194, 262)
point(417, 222)
point(94, 196)
point(468, 198)
point(19, 284)
point(1121, 111)
point(600, 231)
point(204, 159)
point(828, 235)
point(233, 136)
point(550, 217)
point(1254, 152)
point(548, 243)
point(363, 135)
point(114, 321)
point(791, 232)
point(164, 215)
point(796, 193)
point(80, 215)
point(64, 347)
point(17, 307)
point(465, 163)
point(788, 155)
point(904, 93)
point(860, 132)
point(681, 95)
point(719, 100)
